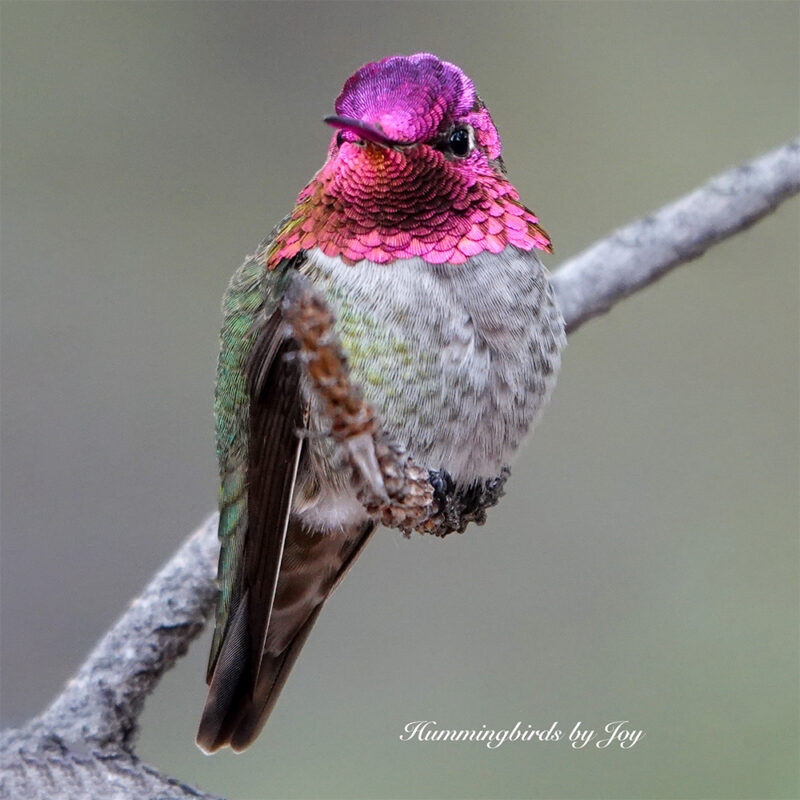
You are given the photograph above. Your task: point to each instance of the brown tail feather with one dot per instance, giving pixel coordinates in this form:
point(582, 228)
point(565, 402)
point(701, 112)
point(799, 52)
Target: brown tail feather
point(233, 716)
point(229, 686)
point(236, 710)
point(271, 678)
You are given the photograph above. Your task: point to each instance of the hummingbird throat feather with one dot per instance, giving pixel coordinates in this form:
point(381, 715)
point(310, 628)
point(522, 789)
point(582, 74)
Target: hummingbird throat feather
point(411, 197)
point(384, 204)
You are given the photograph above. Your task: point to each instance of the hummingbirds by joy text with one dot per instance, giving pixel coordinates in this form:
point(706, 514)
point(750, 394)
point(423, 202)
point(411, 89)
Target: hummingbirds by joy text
point(422, 248)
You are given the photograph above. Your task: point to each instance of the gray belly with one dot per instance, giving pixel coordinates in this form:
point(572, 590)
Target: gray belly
point(457, 359)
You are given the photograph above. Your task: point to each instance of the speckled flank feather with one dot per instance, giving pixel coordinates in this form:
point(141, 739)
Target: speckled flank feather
point(458, 361)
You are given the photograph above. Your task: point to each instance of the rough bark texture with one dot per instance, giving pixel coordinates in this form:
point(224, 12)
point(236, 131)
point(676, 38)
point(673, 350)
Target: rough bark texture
point(639, 253)
point(81, 746)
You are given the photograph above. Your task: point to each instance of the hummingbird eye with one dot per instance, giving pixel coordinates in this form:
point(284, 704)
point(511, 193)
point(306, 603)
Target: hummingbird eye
point(340, 138)
point(459, 142)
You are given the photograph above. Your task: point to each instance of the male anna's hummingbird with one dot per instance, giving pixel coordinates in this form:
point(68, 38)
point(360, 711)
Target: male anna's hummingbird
point(420, 245)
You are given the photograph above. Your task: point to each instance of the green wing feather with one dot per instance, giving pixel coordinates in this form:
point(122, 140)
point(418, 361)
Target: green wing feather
point(252, 296)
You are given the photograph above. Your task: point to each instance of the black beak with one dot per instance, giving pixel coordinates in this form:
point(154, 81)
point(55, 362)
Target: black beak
point(369, 133)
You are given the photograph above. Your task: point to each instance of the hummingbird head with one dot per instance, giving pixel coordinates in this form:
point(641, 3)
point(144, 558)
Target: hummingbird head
point(414, 169)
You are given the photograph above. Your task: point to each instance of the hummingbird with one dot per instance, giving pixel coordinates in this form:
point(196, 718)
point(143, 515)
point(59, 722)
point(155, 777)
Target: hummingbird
point(427, 257)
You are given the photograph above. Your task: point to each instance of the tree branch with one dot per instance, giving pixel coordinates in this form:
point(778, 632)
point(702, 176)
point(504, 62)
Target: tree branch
point(641, 252)
point(82, 744)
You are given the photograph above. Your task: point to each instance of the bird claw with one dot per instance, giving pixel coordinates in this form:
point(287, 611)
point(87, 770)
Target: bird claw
point(360, 451)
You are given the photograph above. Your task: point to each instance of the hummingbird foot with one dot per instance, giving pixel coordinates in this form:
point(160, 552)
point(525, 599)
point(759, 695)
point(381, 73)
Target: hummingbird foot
point(359, 452)
point(407, 499)
point(460, 505)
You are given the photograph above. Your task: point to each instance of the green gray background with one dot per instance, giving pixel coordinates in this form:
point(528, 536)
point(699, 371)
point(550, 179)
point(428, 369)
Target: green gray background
point(643, 565)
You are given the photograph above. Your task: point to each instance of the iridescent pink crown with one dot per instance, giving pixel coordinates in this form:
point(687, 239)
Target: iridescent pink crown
point(408, 196)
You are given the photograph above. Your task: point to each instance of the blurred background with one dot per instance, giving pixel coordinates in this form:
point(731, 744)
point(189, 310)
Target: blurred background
point(643, 565)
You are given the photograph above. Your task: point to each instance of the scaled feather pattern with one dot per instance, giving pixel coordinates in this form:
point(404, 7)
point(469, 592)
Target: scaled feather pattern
point(383, 203)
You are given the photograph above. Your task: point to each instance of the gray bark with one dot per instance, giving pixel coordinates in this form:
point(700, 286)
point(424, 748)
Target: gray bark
point(641, 252)
point(81, 746)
